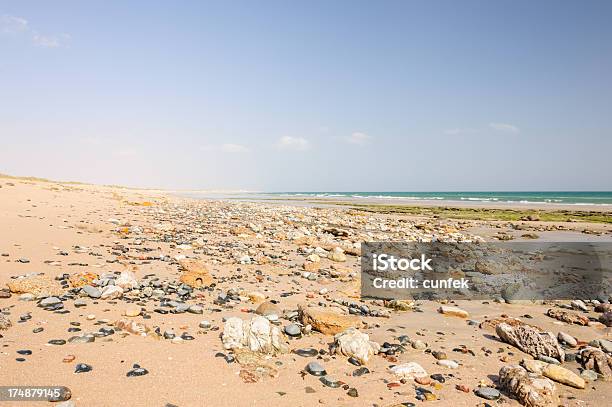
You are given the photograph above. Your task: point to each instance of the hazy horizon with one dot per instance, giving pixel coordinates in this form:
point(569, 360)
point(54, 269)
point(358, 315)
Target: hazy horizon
point(342, 96)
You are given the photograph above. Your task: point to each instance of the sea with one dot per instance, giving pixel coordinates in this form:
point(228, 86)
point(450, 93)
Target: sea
point(547, 197)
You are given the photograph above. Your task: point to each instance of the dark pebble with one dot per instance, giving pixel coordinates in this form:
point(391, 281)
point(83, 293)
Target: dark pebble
point(82, 368)
point(57, 342)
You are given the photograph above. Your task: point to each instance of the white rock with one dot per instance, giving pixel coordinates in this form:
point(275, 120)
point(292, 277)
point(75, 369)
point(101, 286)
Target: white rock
point(451, 364)
point(127, 280)
point(356, 344)
point(408, 370)
point(112, 292)
point(258, 335)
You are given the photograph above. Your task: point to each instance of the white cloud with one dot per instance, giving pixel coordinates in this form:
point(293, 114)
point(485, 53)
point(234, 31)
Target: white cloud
point(12, 24)
point(234, 148)
point(47, 42)
point(509, 128)
point(358, 138)
point(293, 143)
point(17, 25)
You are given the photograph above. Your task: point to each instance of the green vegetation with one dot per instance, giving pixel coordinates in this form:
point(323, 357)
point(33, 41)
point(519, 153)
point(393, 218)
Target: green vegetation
point(490, 214)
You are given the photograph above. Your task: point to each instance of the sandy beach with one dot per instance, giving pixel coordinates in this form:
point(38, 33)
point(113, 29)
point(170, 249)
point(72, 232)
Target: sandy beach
point(254, 254)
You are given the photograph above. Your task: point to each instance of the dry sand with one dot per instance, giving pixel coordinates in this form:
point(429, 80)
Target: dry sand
point(40, 219)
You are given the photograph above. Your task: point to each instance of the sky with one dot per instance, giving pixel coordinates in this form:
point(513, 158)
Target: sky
point(309, 96)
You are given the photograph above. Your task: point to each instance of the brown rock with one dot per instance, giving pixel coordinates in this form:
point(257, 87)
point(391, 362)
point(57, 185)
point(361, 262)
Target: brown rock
point(606, 318)
point(569, 317)
point(312, 266)
point(81, 279)
point(39, 286)
point(328, 322)
point(491, 324)
point(530, 392)
point(195, 274)
point(5, 323)
point(453, 311)
point(268, 308)
point(531, 341)
point(563, 375)
point(595, 359)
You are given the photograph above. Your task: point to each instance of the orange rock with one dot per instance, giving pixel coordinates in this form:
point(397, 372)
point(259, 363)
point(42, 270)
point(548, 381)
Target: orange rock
point(82, 278)
point(328, 322)
point(423, 380)
point(39, 286)
point(195, 274)
point(311, 266)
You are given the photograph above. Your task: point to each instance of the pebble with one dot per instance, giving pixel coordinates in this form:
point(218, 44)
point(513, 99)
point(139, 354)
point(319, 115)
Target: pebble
point(329, 382)
point(137, 371)
point(488, 393)
point(361, 371)
point(352, 392)
point(438, 377)
point(451, 364)
point(38, 330)
point(589, 375)
point(57, 342)
point(82, 368)
point(307, 353)
point(49, 301)
point(567, 339)
point(205, 324)
point(132, 311)
point(315, 369)
point(293, 330)
point(92, 292)
point(24, 352)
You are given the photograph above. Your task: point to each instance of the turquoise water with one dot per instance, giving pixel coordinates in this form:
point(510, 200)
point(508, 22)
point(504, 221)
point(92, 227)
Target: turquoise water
point(549, 197)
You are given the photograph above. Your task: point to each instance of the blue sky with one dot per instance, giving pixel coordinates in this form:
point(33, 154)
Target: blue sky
point(277, 95)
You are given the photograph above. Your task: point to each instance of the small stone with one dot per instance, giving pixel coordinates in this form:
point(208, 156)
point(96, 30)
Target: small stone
point(439, 355)
point(137, 371)
point(352, 392)
point(424, 381)
point(329, 382)
point(68, 358)
point(49, 301)
point(293, 330)
point(567, 339)
point(453, 311)
point(438, 377)
point(195, 309)
point(315, 369)
point(463, 388)
point(91, 292)
point(205, 324)
point(132, 310)
point(57, 342)
point(488, 393)
point(408, 370)
point(589, 375)
point(82, 368)
point(361, 371)
point(451, 364)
